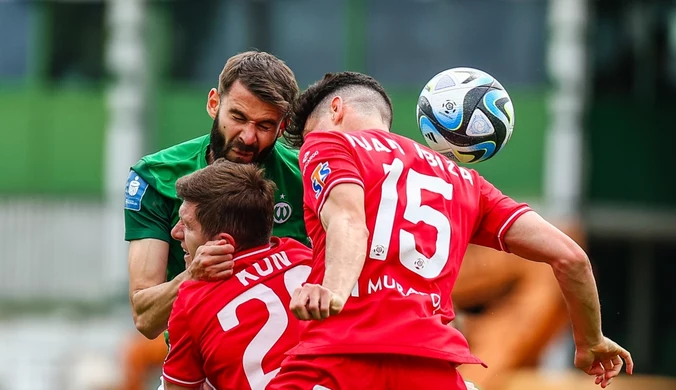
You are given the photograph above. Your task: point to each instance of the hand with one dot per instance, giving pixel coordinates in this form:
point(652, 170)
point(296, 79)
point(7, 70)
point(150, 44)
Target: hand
point(315, 302)
point(213, 261)
point(603, 360)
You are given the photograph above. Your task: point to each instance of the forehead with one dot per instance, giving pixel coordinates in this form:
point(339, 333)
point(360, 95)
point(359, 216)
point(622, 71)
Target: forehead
point(187, 212)
point(241, 99)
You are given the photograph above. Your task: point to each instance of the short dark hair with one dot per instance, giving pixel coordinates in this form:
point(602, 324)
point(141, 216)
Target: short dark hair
point(232, 198)
point(317, 92)
point(265, 75)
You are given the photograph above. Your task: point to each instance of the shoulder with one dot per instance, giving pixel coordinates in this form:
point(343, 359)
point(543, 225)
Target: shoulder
point(320, 136)
point(285, 151)
point(298, 253)
point(285, 154)
point(161, 169)
point(325, 143)
point(322, 145)
point(174, 155)
point(282, 163)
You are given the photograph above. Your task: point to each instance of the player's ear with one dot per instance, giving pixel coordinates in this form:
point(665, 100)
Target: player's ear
point(337, 110)
point(213, 102)
point(282, 127)
point(228, 238)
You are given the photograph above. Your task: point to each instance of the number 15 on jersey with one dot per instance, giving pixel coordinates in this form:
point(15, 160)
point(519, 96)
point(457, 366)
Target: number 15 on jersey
point(414, 212)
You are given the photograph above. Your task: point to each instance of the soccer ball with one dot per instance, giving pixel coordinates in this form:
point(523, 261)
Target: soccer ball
point(465, 114)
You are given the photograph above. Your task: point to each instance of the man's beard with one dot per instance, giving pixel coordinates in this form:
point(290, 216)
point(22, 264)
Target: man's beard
point(220, 148)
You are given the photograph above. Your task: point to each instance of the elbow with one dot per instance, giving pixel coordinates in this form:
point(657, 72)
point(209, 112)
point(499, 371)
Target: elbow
point(574, 262)
point(145, 328)
point(143, 323)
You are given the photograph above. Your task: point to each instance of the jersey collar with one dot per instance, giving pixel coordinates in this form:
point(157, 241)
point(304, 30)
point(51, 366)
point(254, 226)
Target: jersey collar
point(274, 242)
point(204, 152)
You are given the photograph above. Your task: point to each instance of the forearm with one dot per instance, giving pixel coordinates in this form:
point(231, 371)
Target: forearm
point(152, 306)
point(579, 291)
point(533, 238)
point(346, 242)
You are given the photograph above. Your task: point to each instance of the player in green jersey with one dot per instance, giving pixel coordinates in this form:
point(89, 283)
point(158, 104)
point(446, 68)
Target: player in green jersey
point(249, 110)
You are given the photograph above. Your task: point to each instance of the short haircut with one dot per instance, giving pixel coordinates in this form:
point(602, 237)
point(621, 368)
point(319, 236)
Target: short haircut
point(362, 90)
point(264, 75)
point(231, 198)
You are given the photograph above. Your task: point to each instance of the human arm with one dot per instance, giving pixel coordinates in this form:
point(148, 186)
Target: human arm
point(148, 222)
point(148, 217)
point(533, 238)
point(151, 296)
point(334, 194)
point(344, 221)
point(521, 312)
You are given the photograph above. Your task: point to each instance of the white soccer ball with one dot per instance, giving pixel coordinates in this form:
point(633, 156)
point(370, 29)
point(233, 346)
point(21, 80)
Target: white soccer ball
point(465, 114)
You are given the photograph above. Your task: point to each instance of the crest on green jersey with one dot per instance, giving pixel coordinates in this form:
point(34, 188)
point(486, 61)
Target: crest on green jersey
point(282, 211)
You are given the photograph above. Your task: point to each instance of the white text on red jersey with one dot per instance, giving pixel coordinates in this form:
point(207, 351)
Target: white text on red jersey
point(264, 267)
point(435, 161)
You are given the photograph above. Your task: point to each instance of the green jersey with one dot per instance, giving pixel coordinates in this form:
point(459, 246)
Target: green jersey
point(151, 204)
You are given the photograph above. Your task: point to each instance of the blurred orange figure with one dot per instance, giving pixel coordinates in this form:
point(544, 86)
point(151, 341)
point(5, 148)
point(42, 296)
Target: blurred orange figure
point(522, 311)
point(140, 358)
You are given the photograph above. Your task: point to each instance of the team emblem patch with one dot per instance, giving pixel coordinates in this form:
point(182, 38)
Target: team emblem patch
point(282, 212)
point(134, 191)
point(319, 176)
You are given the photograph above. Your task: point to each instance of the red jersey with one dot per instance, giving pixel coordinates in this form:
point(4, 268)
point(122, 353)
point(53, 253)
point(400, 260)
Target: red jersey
point(234, 333)
point(422, 210)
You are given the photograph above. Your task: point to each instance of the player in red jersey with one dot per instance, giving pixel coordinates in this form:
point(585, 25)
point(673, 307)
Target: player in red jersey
point(232, 334)
point(390, 221)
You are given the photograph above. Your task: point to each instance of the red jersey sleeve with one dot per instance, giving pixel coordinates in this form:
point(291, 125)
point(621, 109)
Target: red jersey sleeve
point(326, 160)
point(497, 213)
point(183, 365)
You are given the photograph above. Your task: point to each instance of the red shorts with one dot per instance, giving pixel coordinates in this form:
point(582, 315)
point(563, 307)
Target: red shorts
point(373, 372)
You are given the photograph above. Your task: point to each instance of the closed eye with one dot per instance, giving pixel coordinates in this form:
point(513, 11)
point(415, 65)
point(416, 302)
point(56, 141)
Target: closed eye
point(265, 126)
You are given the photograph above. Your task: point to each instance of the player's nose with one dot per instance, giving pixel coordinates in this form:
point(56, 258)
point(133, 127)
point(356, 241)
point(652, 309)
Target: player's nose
point(177, 232)
point(248, 134)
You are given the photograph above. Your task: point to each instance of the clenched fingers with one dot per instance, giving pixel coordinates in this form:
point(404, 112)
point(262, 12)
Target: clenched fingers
point(297, 305)
point(213, 261)
point(310, 302)
point(220, 271)
point(215, 249)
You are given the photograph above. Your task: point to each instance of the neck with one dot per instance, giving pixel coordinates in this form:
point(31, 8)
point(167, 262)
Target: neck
point(362, 123)
point(365, 126)
point(248, 248)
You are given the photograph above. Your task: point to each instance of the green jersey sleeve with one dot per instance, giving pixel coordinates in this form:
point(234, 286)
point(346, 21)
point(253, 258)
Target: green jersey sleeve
point(147, 213)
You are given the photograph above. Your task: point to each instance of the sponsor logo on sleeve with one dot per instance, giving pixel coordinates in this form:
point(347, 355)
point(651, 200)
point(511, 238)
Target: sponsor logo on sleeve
point(307, 158)
point(134, 191)
point(319, 176)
